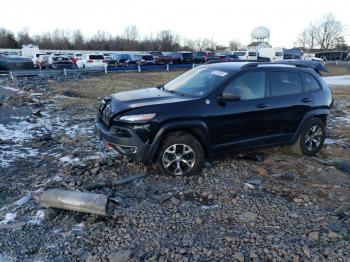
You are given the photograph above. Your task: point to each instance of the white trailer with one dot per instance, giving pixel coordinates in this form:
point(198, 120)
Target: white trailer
point(270, 54)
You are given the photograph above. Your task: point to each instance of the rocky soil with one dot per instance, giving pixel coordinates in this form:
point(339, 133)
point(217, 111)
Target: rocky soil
point(266, 205)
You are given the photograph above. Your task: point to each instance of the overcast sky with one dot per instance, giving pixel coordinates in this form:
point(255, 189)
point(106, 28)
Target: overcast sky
point(222, 20)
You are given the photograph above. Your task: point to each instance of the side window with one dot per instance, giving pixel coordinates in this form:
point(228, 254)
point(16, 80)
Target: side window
point(310, 83)
point(285, 83)
point(250, 85)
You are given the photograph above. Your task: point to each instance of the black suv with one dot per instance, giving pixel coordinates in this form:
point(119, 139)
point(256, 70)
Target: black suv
point(217, 108)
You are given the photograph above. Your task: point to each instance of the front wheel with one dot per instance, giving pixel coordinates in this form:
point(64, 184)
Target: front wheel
point(311, 138)
point(181, 154)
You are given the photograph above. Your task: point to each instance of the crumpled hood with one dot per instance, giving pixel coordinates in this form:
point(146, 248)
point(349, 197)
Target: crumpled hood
point(143, 97)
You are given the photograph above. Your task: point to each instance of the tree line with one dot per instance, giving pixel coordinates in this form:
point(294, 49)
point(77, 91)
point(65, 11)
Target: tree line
point(324, 33)
point(130, 40)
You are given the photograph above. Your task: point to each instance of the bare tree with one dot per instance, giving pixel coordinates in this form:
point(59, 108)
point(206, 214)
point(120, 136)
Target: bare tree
point(23, 37)
point(131, 33)
point(235, 45)
point(324, 33)
point(78, 40)
point(330, 30)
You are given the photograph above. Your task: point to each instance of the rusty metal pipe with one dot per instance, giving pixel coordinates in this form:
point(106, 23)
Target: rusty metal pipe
point(75, 201)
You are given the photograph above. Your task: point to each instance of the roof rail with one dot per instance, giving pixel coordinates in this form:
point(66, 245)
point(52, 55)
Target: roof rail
point(290, 64)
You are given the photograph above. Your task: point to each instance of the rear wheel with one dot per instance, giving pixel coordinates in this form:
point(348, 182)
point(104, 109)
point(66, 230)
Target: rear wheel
point(181, 154)
point(311, 138)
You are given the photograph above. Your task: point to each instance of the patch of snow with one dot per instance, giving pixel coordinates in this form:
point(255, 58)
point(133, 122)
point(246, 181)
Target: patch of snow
point(206, 207)
point(68, 160)
point(10, 88)
point(9, 217)
point(338, 80)
point(78, 227)
point(38, 218)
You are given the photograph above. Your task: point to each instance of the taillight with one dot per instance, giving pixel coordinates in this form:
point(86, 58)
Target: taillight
point(90, 61)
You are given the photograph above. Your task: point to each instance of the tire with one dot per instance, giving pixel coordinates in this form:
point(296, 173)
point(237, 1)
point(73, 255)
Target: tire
point(182, 153)
point(311, 138)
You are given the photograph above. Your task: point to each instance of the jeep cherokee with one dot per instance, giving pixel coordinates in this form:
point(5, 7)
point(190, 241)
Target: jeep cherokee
point(217, 108)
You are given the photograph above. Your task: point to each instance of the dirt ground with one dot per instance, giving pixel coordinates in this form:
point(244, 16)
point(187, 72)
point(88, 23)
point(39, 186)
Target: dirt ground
point(284, 208)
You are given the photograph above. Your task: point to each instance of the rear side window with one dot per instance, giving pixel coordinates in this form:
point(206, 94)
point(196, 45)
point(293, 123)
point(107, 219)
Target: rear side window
point(310, 83)
point(278, 54)
point(249, 86)
point(97, 57)
point(285, 83)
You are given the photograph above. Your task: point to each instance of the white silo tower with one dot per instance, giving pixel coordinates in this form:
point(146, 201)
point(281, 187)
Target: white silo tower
point(260, 34)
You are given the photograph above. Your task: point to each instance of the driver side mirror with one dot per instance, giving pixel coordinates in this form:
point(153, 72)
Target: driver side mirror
point(229, 97)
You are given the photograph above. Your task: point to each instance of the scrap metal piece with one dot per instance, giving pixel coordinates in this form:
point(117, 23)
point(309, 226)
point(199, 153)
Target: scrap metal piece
point(75, 201)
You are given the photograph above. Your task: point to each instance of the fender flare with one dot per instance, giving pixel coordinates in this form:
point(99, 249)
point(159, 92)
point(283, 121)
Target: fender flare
point(195, 127)
point(307, 117)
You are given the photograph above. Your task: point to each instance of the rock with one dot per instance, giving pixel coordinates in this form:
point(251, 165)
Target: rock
point(332, 234)
point(306, 251)
point(289, 176)
point(314, 235)
point(298, 200)
point(199, 221)
point(94, 170)
point(254, 182)
point(49, 214)
point(239, 256)
point(175, 201)
point(305, 198)
point(120, 256)
point(262, 171)
point(253, 254)
point(23, 200)
point(296, 258)
point(248, 186)
point(248, 216)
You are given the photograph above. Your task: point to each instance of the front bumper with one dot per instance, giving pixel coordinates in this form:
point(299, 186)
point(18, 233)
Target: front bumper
point(130, 145)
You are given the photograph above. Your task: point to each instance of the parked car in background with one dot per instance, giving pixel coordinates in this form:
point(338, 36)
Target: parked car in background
point(246, 55)
point(59, 62)
point(15, 62)
point(187, 57)
point(91, 60)
point(199, 57)
point(245, 112)
point(242, 55)
point(111, 61)
point(124, 59)
point(40, 60)
point(293, 53)
point(176, 56)
point(270, 54)
point(144, 59)
point(160, 58)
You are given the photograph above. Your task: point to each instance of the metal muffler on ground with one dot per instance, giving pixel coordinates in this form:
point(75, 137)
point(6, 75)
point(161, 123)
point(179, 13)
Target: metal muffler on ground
point(76, 201)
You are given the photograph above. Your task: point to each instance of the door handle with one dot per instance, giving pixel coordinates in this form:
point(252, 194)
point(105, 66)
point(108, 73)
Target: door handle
point(307, 100)
point(262, 105)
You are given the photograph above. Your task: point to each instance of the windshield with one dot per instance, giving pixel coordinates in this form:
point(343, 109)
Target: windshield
point(197, 82)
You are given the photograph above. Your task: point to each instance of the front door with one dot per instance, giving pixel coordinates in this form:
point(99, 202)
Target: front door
point(242, 123)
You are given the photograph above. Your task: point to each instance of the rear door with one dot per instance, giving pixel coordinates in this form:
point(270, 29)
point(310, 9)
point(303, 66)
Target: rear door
point(288, 104)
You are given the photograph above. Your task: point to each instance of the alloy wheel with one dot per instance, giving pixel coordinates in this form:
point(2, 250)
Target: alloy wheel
point(178, 159)
point(313, 137)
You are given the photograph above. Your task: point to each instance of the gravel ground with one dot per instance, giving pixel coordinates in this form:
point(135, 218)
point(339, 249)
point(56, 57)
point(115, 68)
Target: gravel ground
point(274, 207)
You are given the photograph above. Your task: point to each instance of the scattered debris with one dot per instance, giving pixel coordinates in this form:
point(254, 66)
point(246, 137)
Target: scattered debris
point(75, 201)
